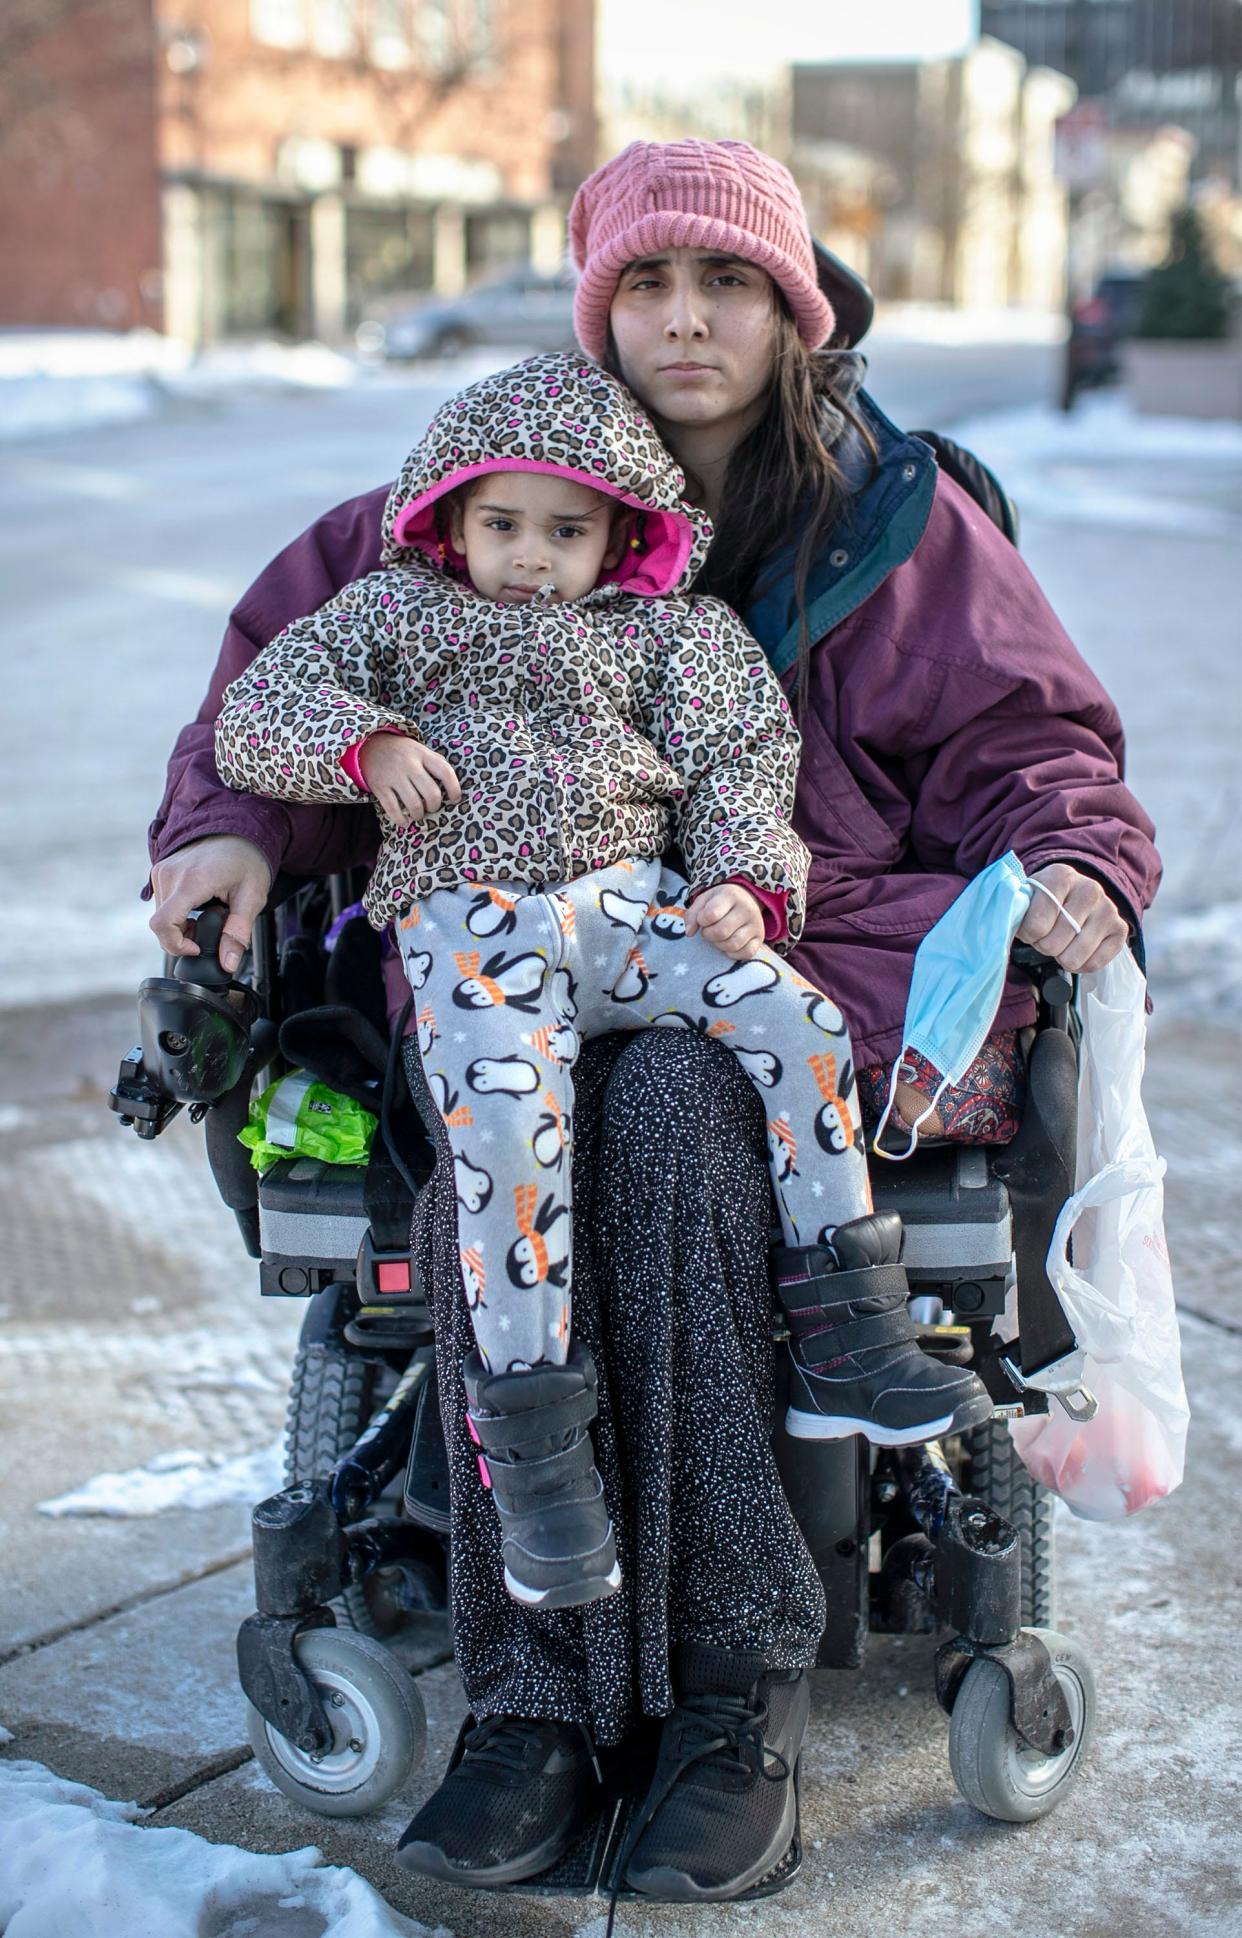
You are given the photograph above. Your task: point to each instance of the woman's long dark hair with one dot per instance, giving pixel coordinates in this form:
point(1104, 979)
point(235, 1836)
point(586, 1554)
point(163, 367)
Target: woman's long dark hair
point(783, 478)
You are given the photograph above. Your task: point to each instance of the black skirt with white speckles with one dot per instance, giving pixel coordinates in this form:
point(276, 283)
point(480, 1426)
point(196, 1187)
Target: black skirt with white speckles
point(671, 1295)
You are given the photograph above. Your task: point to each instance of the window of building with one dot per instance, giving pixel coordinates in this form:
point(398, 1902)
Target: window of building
point(437, 33)
point(257, 254)
point(279, 23)
point(453, 34)
point(481, 28)
point(390, 33)
point(388, 253)
point(333, 28)
point(496, 239)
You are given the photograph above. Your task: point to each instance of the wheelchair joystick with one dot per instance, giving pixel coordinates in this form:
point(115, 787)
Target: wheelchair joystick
point(205, 968)
point(195, 1029)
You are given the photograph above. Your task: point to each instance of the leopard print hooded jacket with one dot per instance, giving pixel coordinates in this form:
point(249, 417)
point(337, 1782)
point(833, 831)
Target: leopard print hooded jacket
point(582, 733)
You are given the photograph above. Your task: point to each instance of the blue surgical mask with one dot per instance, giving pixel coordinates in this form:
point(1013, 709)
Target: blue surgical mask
point(958, 980)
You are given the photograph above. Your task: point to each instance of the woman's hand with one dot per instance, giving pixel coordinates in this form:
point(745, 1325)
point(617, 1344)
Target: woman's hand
point(1102, 929)
point(730, 917)
point(406, 780)
point(220, 867)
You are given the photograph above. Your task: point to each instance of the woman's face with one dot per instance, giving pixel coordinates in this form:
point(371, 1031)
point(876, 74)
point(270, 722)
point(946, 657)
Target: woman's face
point(696, 336)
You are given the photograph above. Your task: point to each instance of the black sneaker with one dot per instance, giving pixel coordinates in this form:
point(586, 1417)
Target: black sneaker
point(857, 1363)
point(723, 1805)
point(515, 1796)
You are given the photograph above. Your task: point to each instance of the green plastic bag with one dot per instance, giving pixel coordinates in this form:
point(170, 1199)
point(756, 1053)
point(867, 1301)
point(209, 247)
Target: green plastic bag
point(298, 1117)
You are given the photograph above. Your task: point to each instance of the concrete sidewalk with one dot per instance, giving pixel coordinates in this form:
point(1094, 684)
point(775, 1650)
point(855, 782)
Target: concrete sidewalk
point(130, 1324)
point(123, 1674)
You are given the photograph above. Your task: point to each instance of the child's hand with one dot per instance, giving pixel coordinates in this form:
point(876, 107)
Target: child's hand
point(406, 780)
point(730, 917)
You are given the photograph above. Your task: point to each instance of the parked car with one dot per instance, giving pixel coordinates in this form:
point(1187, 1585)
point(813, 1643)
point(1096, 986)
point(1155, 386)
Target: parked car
point(521, 305)
point(1099, 325)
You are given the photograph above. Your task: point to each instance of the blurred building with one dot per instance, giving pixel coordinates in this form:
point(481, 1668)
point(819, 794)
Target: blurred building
point(936, 179)
point(226, 167)
point(1163, 76)
point(752, 108)
point(1155, 62)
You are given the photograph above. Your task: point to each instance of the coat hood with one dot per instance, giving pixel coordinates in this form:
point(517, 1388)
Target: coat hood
point(566, 417)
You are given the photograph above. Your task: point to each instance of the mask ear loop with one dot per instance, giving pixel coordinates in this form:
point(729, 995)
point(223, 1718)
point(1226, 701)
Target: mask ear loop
point(1076, 926)
point(900, 1157)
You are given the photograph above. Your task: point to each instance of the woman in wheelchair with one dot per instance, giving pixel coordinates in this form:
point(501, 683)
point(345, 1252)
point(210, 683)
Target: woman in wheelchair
point(945, 719)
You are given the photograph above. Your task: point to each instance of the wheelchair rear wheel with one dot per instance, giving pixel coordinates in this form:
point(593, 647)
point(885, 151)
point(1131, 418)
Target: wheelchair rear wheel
point(333, 1397)
point(992, 1470)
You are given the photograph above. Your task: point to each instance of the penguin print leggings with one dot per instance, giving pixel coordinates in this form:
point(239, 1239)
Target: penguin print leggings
point(509, 980)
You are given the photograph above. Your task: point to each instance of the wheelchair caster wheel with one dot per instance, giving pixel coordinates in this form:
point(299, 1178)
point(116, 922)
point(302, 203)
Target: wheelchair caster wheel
point(378, 1721)
point(994, 1770)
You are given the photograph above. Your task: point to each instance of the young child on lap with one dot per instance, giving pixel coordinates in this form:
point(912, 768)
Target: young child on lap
point(540, 708)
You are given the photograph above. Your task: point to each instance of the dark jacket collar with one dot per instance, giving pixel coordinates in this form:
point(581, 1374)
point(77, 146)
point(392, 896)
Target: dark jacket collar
point(885, 520)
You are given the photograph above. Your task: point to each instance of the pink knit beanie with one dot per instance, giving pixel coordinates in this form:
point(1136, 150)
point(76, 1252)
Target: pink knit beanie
point(721, 195)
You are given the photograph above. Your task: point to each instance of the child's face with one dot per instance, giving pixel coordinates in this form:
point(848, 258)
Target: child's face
point(521, 530)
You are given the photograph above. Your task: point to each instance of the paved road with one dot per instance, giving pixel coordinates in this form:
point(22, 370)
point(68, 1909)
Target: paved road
point(130, 1323)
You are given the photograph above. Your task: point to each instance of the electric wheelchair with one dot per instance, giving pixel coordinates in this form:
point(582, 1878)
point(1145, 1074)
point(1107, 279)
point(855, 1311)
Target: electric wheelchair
point(951, 1537)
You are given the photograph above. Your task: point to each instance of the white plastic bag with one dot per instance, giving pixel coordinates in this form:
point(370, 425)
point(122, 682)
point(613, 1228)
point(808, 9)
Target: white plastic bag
point(1118, 1294)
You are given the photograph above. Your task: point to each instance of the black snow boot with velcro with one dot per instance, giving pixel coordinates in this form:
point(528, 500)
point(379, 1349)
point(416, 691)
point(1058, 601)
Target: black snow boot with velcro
point(857, 1364)
point(723, 1804)
point(532, 1429)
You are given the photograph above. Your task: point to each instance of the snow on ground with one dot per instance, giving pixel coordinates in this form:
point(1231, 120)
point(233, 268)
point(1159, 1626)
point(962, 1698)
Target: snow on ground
point(1102, 464)
point(181, 1478)
point(61, 380)
point(72, 380)
point(72, 1862)
point(1195, 960)
point(936, 323)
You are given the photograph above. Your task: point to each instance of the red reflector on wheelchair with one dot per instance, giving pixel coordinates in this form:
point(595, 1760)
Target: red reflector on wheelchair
point(392, 1275)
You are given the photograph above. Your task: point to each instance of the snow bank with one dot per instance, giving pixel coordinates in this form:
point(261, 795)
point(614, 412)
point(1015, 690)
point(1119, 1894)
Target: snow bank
point(72, 1862)
point(88, 353)
point(65, 380)
point(182, 1478)
point(937, 323)
point(305, 366)
point(1194, 961)
point(59, 380)
point(1102, 464)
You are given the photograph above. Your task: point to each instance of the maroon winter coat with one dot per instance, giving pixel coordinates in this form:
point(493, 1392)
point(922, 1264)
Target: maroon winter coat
point(950, 719)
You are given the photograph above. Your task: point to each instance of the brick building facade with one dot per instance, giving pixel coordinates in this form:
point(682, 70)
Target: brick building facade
point(225, 167)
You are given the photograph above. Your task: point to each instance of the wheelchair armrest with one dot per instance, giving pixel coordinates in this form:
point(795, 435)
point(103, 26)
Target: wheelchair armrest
point(1038, 1169)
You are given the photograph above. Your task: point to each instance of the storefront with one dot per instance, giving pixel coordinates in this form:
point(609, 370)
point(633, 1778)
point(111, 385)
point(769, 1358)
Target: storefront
point(238, 262)
point(292, 261)
point(388, 252)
